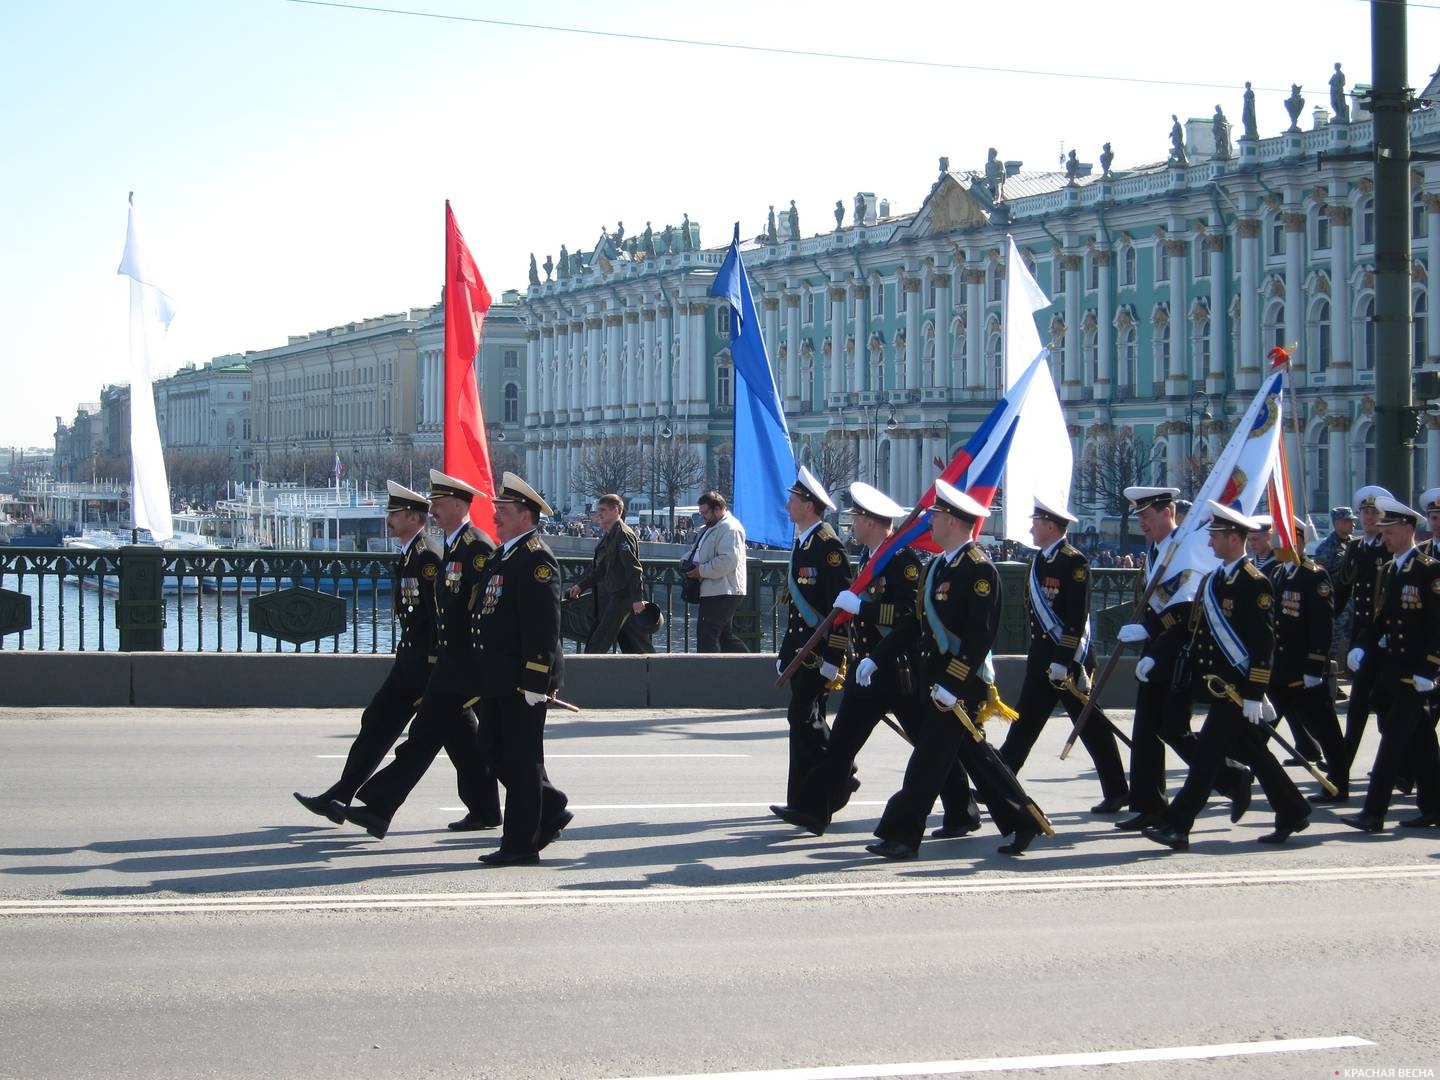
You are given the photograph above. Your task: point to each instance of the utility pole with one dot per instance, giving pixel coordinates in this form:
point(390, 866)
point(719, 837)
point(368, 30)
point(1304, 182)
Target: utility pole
point(1396, 417)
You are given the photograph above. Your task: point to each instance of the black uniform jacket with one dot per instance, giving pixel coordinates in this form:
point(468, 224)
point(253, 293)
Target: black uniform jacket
point(885, 604)
point(1246, 604)
point(456, 587)
point(413, 596)
point(1064, 580)
point(1359, 578)
point(517, 620)
point(1304, 619)
point(819, 569)
point(954, 625)
point(1407, 620)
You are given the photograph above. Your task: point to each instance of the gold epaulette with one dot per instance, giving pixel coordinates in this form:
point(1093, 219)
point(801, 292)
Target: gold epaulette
point(534, 543)
point(959, 669)
point(976, 555)
point(1069, 549)
point(1253, 570)
point(470, 535)
point(825, 532)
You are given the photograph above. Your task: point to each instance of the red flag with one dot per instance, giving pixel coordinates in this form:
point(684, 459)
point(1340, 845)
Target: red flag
point(467, 452)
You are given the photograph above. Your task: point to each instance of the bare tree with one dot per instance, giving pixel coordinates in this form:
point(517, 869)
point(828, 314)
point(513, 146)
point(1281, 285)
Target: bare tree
point(612, 465)
point(1111, 460)
point(676, 468)
point(836, 462)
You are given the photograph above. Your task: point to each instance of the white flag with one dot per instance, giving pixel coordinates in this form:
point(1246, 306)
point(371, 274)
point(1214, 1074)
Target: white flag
point(151, 310)
point(1041, 458)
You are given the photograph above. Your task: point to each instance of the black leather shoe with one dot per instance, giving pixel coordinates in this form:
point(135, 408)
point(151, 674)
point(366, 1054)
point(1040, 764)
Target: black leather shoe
point(1422, 821)
point(501, 857)
point(1364, 822)
point(854, 783)
point(1019, 843)
point(953, 832)
point(1284, 832)
point(1340, 798)
point(321, 806)
point(892, 849)
point(1167, 835)
point(1142, 820)
point(551, 832)
point(366, 818)
point(473, 823)
point(1111, 805)
point(1239, 803)
point(800, 819)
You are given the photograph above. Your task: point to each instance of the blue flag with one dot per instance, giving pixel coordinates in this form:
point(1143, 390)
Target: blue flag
point(764, 460)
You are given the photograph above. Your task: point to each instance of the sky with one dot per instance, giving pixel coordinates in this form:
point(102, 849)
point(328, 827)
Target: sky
point(290, 160)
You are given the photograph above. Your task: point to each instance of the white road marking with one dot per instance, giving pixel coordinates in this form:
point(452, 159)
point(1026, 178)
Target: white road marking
point(761, 807)
point(671, 894)
point(1037, 1061)
point(548, 756)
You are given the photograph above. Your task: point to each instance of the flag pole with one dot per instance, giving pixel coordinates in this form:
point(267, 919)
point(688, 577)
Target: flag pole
point(1304, 499)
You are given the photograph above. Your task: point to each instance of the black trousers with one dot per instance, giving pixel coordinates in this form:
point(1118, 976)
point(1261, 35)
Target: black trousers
point(1038, 698)
point(825, 789)
point(1227, 732)
point(1311, 711)
point(1362, 693)
point(513, 735)
point(1408, 746)
point(443, 721)
point(715, 630)
point(613, 623)
point(809, 731)
point(1162, 718)
point(943, 745)
point(381, 725)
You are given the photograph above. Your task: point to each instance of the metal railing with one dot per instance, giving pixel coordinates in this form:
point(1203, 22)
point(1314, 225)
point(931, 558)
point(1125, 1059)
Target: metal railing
point(198, 601)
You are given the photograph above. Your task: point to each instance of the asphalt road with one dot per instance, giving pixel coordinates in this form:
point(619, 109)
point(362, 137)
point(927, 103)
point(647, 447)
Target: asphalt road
point(167, 910)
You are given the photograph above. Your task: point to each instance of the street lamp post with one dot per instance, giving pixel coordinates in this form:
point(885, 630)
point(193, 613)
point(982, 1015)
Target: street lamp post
point(1201, 414)
point(941, 427)
point(890, 425)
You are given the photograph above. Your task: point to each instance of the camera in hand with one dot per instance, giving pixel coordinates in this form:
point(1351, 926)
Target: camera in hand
point(689, 587)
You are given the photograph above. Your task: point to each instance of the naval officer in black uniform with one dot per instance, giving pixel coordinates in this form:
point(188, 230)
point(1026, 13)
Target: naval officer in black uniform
point(953, 627)
point(445, 717)
point(413, 600)
point(1233, 634)
point(1402, 643)
point(517, 638)
point(871, 691)
point(1359, 579)
point(1058, 604)
point(819, 569)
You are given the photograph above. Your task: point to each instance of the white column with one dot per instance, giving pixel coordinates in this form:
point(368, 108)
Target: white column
point(1073, 374)
point(1295, 286)
point(665, 391)
point(646, 361)
point(1104, 389)
point(1432, 291)
point(1337, 432)
point(579, 381)
point(835, 382)
point(974, 328)
point(770, 330)
point(792, 351)
point(1342, 337)
point(1178, 377)
point(1247, 364)
point(595, 348)
point(681, 384)
point(1219, 313)
point(532, 380)
point(940, 375)
point(858, 359)
point(547, 373)
point(700, 360)
point(914, 347)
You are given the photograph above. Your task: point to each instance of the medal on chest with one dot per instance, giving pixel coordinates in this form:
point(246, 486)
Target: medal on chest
point(494, 589)
point(454, 571)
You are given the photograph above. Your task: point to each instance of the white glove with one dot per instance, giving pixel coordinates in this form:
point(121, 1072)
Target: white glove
point(1254, 711)
point(1144, 667)
point(532, 698)
point(828, 672)
point(1423, 685)
point(779, 666)
point(942, 697)
point(1354, 659)
point(1311, 681)
point(865, 672)
point(1057, 673)
point(987, 669)
point(1132, 634)
point(847, 601)
point(1267, 711)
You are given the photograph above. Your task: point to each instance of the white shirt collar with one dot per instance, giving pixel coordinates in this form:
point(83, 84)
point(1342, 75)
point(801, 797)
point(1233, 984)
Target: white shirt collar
point(509, 545)
point(806, 534)
point(1049, 552)
point(954, 553)
point(452, 537)
point(1403, 558)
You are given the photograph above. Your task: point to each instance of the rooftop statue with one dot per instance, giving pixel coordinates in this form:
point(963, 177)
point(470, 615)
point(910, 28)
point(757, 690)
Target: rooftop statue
point(1221, 127)
point(534, 271)
point(1338, 105)
point(1107, 157)
point(1247, 115)
point(1294, 105)
point(1178, 159)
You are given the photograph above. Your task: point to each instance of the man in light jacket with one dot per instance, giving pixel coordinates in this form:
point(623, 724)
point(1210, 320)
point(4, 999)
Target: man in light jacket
point(719, 559)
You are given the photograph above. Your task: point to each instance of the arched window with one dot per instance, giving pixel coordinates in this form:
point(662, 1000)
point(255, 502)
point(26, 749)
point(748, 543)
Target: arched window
point(1090, 356)
point(995, 354)
point(724, 393)
point(512, 403)
point(1319, 334)
point(1418, 227)
point(1129, 359)
point(1365, 319)
point(1418, 327)
point(1202, 349)
point(722, 321)
point(1160, 461)
point(1273, 332)
point(1367, 224)
point(1162, 352)
point(1127, 265)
